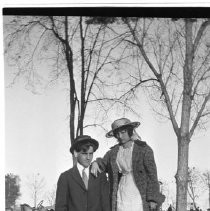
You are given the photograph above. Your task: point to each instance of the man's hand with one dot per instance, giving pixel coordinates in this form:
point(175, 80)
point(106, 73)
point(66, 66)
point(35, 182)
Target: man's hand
point(152, 205)
point(95, 169)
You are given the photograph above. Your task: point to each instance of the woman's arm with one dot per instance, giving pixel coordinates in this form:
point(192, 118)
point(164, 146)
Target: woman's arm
point(100, 164)
point(151, 173)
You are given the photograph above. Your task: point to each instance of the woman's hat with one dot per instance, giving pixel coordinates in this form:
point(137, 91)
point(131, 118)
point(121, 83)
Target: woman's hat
point(121, 123)
point(80, 140)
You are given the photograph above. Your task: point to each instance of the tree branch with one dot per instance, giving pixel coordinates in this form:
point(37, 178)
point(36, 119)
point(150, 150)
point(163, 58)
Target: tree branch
point(158, 76)
point(199, 114)
point(199, 34)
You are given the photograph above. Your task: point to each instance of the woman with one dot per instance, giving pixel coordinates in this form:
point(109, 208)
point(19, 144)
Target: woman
point(132, 170)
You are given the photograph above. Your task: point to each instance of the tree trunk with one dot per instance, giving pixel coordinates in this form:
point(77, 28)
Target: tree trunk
point(82, 101)
point(209, 196)
point(183, 136)
point(35, 199)
point(182, 174)
point(72, 92)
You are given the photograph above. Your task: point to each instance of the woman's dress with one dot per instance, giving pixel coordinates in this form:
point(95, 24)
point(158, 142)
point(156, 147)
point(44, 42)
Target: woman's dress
point(128, 195)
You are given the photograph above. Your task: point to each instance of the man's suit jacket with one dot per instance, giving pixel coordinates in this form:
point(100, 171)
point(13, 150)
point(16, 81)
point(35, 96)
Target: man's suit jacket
point(71, 194)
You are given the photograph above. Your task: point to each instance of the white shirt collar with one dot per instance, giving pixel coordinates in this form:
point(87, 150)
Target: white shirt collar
point(80, 168)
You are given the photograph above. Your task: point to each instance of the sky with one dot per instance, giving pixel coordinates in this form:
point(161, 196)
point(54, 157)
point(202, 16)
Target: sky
point(36, 137)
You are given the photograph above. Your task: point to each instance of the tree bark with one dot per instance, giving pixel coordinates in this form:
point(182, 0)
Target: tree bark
point(183, 136)
point(72, 98)
point(83, 89)
point(209, 193)
point(182, 174)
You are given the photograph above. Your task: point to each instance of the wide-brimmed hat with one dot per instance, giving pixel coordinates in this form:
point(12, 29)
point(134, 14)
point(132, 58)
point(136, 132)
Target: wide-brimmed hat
point(121, 123)
point(80, 140)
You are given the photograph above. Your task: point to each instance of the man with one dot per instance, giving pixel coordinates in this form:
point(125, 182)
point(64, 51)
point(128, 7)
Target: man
point(132, 170)
point(77, 189)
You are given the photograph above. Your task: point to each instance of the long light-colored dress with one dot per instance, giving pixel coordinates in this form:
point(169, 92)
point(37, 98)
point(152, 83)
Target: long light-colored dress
point(128, 195)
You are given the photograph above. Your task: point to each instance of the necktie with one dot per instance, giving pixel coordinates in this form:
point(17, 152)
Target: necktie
point(85, 178)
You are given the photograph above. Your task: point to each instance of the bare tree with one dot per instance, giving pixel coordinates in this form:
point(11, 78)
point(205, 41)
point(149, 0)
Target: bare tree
point(177, 56)
point(51, 195)
point(36, 185)
point(171, 62)
point(70, 49)
point(12, 189)
point(195, 186)
point(206, 180)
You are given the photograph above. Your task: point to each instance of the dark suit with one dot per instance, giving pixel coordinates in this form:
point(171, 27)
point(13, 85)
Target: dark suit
point(72, 195)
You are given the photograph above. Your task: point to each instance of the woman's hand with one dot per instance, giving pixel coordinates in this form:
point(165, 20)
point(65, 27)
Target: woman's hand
point(95, 169)
point(152, 205)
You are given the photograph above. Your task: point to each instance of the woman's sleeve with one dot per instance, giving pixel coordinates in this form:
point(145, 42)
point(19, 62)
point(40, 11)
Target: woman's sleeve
point(153, 192)
point(103, 162)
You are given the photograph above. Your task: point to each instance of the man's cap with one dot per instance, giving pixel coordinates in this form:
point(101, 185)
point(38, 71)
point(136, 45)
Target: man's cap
point(83, 139)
